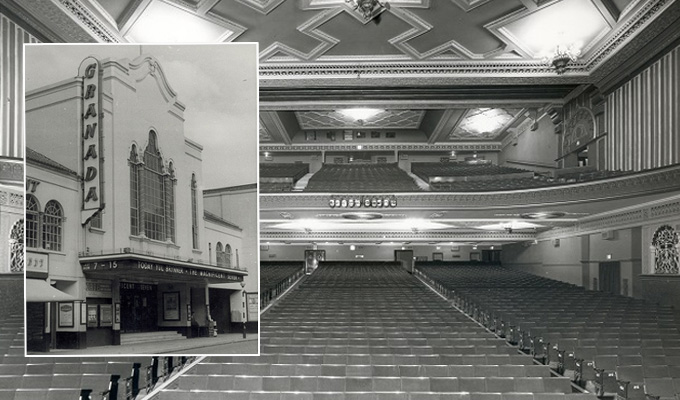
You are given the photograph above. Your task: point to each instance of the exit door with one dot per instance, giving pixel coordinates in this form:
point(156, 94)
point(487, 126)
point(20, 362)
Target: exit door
point(610, 277)
point(406, 258)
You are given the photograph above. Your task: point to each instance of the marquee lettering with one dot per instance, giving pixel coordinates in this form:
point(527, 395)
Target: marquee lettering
point(90, 174)
point(92, 195)
point(91, 70)
point(90, 136)
point(90, 91)
point(91, 153)
point(91, 112)
point(89, 131)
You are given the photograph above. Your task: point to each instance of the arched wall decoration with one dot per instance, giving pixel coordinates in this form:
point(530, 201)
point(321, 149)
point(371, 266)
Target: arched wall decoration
point(16, 247)
point(665, 250)
point(578, 130)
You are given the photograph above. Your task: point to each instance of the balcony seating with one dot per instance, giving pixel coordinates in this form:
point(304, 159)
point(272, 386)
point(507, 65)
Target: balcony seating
point(361, 178)
point(280, 177)
point(371, 331)
point(462, 177)
point(589, 336)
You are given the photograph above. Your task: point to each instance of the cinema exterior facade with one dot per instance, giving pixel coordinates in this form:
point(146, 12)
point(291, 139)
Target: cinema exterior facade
point(118, 240)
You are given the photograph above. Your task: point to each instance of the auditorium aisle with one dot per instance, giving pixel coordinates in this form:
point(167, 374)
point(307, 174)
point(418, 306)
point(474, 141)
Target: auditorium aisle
point(371, 331)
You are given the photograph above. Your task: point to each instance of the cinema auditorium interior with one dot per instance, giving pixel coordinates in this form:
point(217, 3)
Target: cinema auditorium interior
point(459, 199)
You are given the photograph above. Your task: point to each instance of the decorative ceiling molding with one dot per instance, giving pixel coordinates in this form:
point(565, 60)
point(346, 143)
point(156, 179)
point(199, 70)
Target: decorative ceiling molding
point(385, 119)
point(466, 127)
point(68, 20)
point(200, 10)
point(664, 180)
point(387, 236)
point(265, 136)
point(486, 146)
point(627, 31)
point(262, 6)
point(468, 5)
point(309, 28)
point(638, 215)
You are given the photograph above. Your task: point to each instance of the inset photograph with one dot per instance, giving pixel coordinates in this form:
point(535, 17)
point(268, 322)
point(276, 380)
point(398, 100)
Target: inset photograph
point(141, 199)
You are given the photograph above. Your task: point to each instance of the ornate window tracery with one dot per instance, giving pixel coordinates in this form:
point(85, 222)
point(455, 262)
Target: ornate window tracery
point(152, 194)
point(16, 247)
point(665, 243)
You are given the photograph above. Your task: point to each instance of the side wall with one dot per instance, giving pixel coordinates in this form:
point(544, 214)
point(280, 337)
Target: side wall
point(642, 118)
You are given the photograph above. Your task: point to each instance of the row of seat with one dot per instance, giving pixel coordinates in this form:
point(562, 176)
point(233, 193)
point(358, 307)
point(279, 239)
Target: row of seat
point(276, 278)
point(371, 331)
point(361, 178)
point(294, 171)
point(605, 343)
point(431, 170)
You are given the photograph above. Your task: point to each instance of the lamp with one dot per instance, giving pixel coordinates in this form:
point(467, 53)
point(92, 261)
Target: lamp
point(562, 55)
point(368, 8)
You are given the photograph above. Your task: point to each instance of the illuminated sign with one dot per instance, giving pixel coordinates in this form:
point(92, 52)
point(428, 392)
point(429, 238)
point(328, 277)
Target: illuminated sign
point(376, 201)
point(91, 138)
point(123, 266)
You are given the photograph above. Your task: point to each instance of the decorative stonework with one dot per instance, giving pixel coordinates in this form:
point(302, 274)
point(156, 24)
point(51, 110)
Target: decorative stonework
point(579, 129)
point(11, 171)
point(387, 236)
point(665, 249)
point(386, 147)
point(85, 17)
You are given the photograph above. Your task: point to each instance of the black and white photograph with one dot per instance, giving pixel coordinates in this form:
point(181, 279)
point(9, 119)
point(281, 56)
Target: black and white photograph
point(454, 199)
point(142, 168)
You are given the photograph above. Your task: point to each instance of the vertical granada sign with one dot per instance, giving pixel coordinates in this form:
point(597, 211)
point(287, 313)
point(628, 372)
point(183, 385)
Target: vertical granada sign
point(91, 138)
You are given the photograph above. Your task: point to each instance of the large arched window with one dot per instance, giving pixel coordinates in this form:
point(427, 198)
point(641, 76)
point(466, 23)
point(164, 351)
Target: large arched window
point(152, 194)
point(227, 256)
point(665, 243)
point(194, 212)
point(219, 253)
point(16, 247)
point(32, 222)
point(52, 226)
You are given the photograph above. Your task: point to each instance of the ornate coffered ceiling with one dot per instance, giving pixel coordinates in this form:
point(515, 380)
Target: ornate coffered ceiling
point(446, 37)
point(382, 119)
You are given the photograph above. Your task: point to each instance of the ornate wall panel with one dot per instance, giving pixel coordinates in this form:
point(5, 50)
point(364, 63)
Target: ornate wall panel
point(643, 118)
point(12, 39)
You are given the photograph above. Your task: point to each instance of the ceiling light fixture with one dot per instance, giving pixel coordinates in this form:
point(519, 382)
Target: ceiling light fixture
point(368, 8)
point(562, 55)
point(360, 114)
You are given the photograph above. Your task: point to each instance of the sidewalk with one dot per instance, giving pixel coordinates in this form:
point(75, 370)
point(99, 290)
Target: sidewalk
point(163, 347)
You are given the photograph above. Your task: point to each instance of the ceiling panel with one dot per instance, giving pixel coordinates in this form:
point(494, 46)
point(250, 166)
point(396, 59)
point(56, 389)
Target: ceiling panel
point(564, 23)
point(450, 23)
point(484, 123)
point(280, 25)
point(357, 39)
point(384, 119)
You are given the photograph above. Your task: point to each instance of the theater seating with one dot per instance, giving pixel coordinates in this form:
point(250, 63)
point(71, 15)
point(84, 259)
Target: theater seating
point(463, 177)
point(371, 331)
point(611, 345)
point(341, 178)
point(276, 278)
point(280, 177)
point(62, 378)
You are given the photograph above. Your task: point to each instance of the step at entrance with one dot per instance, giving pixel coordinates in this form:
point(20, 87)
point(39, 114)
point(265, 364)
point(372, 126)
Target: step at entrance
point(145, 337)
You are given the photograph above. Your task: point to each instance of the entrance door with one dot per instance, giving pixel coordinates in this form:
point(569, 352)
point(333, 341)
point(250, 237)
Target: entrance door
point(220, 309)
point(610, 277)
point(139, 308)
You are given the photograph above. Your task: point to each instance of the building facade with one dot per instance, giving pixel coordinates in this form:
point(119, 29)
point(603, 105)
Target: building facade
point(116, 225)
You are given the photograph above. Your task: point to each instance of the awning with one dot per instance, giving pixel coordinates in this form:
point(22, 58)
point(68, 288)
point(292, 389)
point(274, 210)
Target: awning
point(39, 291)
